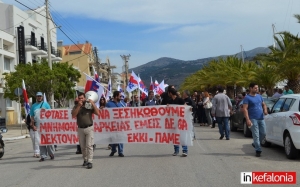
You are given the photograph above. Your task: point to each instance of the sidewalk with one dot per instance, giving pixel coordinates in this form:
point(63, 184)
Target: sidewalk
point(14, 132)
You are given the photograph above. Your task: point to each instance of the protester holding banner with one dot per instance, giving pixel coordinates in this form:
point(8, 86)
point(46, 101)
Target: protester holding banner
point(150, 100)
point(165, 96)
point(158, 99)
point(85, 128)
point(175, 100)
point(41, 104)
point(135, 101)
point(113, 104)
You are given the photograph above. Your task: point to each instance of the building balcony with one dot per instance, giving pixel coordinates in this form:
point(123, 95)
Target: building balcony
point(8, 48)
point(31, 44)
point(55, 55)
point(42, 49)
point(58, 56)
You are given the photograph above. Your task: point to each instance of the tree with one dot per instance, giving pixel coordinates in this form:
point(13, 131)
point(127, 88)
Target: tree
point(286, 55)
point(226, 72)
point(38, 76)
point(297, 16)
point(266, 76)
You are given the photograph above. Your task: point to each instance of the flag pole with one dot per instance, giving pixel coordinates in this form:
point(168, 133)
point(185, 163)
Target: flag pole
point(97, 82)
point(139, 90)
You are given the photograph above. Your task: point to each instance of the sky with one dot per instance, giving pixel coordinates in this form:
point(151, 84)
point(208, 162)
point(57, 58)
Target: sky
point(181, 29)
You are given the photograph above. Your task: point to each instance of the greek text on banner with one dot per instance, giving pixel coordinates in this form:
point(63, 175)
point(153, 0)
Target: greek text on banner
point(149, 125)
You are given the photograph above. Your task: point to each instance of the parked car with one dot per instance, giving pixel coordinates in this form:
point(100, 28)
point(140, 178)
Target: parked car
point(238, 121)
point(283, 125)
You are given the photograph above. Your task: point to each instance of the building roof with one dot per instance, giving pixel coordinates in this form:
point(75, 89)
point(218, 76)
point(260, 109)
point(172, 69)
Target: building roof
point(86, 48)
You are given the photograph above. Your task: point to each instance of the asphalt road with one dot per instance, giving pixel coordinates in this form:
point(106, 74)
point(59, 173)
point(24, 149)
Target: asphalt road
point(210, 162)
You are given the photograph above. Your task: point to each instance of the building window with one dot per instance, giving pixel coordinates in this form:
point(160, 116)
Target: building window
point(75, 53)
point(8, 103)
point(6, 64)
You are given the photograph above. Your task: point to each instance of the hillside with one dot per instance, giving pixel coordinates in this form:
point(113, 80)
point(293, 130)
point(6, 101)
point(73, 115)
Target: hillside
point(174, 71)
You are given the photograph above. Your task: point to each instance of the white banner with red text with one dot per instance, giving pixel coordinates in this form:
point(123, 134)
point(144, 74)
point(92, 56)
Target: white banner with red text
point(149, 125)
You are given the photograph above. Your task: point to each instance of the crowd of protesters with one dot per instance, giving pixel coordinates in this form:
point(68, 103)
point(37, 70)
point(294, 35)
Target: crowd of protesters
point(207, 108)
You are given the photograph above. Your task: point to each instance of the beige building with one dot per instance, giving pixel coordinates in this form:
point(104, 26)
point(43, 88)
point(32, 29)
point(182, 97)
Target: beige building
point(83, 58)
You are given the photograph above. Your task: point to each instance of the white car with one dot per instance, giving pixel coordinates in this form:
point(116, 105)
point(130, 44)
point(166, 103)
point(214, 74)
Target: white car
point(283, 125)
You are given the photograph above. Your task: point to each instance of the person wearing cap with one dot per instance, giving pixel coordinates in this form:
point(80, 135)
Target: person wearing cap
point(40, 104)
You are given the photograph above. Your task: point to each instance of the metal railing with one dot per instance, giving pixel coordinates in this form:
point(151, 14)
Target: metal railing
point(58, 53)
point(39, 46)
point(29, 42)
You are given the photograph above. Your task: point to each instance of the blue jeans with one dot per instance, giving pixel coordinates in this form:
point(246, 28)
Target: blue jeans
point(258, 132)
point(114, 148)
point(223, 125)
point(184, 149)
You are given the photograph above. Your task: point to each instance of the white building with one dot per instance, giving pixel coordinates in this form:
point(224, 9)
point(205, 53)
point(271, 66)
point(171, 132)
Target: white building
point(35, 31)
point(116, 80)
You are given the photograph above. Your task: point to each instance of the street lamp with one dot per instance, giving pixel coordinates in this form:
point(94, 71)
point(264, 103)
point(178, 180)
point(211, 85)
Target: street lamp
point(49, 57)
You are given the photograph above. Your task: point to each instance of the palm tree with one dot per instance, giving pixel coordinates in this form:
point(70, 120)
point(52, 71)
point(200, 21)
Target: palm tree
point(284, 55)
point(266, 76)
point(227, 72)
point(297, 16)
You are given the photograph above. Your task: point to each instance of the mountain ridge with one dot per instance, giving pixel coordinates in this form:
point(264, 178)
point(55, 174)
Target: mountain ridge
point(174, 71)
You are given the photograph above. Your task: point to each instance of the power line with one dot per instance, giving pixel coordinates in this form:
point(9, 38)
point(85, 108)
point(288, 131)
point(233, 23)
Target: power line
point(56, 25)
point(34, 3)
point(53, 10)
point(19, 23)
point(68, 25)
point(32, 9)
point(72, 40)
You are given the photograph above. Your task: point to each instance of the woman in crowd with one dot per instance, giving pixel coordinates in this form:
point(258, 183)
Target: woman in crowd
point(207, 108)
point(102, 102)
point(200, 110)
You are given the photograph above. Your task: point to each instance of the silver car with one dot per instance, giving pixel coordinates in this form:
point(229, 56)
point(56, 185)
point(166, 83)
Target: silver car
point(238, 121)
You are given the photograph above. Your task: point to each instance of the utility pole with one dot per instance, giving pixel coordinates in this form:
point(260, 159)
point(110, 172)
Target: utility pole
point(49, 48)
point(96, 60)
point(126, 66)
point(273, 28)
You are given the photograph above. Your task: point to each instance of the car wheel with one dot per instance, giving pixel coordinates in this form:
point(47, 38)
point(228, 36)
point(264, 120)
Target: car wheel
point(232, 127)
point(290, 150)
point(247, 131)
point(265, 143)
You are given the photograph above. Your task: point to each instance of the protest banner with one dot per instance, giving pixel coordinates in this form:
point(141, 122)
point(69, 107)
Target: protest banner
point(149, 125)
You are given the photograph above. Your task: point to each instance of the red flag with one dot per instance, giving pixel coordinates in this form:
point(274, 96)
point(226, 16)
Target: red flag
point(151, 85)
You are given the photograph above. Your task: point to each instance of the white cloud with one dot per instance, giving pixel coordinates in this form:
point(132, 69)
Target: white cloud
point(197, 28)
point(170, 11)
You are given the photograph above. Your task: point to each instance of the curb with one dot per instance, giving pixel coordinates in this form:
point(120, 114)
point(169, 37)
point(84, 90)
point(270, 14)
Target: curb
point(16, 138)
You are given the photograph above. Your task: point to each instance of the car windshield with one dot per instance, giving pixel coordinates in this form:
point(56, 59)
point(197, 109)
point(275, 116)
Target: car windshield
point(269, 101)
